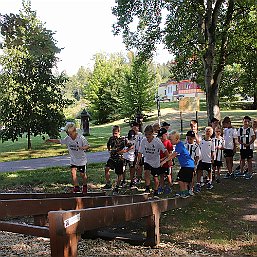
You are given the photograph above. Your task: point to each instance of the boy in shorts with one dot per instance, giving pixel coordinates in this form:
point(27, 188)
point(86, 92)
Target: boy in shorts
point(77, 146)
point(185, 174)
point(150, 147)
point(206, 148)
point(246, 137)
point(230, 136)
point(116, 147)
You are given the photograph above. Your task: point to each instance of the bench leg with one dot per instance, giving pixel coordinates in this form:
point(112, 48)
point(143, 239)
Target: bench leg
point(153, 230)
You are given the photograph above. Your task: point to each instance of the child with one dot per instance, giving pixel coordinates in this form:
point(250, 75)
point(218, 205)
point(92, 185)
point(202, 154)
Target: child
point(218, 142)
point(115, 146)
point(77, 145)
point(206, 147)
point(185, 174)
point(230, 136)
point(156, 128)
point(166, 125)
point(194, 128)
point(166, 169)
point(194, 151)
point(246, 137)
point(150, 147)
point(129, 156)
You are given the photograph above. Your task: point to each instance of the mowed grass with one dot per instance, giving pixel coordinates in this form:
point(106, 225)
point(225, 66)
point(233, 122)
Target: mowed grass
point(220, 222)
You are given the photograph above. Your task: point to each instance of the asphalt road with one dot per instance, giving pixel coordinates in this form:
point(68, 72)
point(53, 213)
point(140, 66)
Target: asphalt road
point(59, 161)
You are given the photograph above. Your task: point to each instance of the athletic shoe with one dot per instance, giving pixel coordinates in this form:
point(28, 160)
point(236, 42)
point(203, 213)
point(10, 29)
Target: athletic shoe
point(227, 175)
point(248, 176)
point(209, 186)
point(147, 190)
point(217, 180)
point(115, 191)
point(160, 191)
point(123, 183)
point(155, 193)
point(197, 188)
point(185, 195)
point(84, 189)
point(107, 186)
point(202, 184)
point(178, 194)
point(167, 190)
point(190, 191)
point(76, 189)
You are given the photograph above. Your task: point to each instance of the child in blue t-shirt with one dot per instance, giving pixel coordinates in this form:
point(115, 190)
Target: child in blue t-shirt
point(187, 164)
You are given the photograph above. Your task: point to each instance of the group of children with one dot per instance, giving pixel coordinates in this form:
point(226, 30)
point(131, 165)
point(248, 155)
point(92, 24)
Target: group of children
point(153, 154)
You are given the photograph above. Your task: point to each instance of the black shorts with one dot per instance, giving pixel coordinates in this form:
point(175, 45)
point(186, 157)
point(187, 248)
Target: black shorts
point(81, 169)
point(154, 171)
point(217, 163)
point(116, 164)
point(185, 174)
point(228, 153)
point(166, 171)
point(246, 154)
point(204, 166)
point(130, 164)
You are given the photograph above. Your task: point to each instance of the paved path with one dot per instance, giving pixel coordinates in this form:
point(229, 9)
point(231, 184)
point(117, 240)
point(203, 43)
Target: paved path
point(59, 161)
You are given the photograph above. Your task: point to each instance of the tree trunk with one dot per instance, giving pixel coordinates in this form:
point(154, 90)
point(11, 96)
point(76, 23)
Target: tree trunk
point(255, 100)
point(29, 140)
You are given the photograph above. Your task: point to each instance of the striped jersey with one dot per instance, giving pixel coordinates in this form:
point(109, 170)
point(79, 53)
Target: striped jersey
point(218, 153)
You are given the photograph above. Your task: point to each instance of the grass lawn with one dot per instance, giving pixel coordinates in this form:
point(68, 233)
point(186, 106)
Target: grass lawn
point(10, 151)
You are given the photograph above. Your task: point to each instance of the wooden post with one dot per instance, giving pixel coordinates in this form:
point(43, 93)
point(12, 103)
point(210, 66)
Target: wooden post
point(153, 229)
point(196, 116)
point(61, 245)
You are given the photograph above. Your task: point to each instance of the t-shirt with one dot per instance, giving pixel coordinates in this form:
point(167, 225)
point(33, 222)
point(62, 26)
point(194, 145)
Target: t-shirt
point(206, 147)
point(193, 149)
point(218, 153)
point(114, 145)
point(184, 158)
point(130, 155)
point(138, 138)
point(245, 135)
point(168, 145)
point(229, 134)
point(151, 151)
point(77, 157)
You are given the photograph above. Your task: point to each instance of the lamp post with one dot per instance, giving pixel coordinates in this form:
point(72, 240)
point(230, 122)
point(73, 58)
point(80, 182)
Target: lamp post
point(85, 122)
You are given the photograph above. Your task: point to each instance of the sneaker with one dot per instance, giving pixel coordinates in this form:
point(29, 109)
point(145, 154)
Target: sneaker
point(107, 186)
point(155, 193)
point(185, 195)
point(76, 189)
point(227, 175)
point(190, 191)
point(178, 194)
point(248, 176)
point(202, 184)
point(197, 188)
point(84, 189)
point(209, 186)
point(160, 190)
point(217, 180)
point(167, 190)
point(115, 191)
point(147, 190)
point(123, 183)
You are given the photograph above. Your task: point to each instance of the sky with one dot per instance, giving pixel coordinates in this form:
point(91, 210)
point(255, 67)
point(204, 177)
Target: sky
point(83, 28)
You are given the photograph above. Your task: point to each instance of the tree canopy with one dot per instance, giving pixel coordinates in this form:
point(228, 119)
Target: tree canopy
point(201, 35)
point(31, 94)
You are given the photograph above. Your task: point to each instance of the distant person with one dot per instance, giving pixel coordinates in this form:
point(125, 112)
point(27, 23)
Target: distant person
point(194, 151)
point(218, 143)
point(246, 137)
point(115, 146)
point(166, 169)
point(230, 140)
point(156, 128)
point(205, 162)
point(77, 146)
point(214, 124)
point(150, 147)
point(166, 125)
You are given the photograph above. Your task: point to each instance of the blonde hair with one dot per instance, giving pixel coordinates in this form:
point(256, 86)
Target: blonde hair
point(70, 127)
point(175, 134)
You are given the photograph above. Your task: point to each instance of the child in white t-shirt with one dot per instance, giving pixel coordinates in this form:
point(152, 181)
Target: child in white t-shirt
point(150, 147)
point(77, 146)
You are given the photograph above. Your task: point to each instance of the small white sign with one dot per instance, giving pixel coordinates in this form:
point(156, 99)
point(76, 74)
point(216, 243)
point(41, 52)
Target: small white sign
point(72, 220)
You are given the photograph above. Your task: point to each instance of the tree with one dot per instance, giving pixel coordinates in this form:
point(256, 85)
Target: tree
point(198, 33)
point(104, 87)
point(139, 88)
point(31, 95)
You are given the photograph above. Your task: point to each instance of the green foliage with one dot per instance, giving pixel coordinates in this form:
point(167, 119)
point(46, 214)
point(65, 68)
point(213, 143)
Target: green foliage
point(139, 88)
point(105, 86)
point(31, 95)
